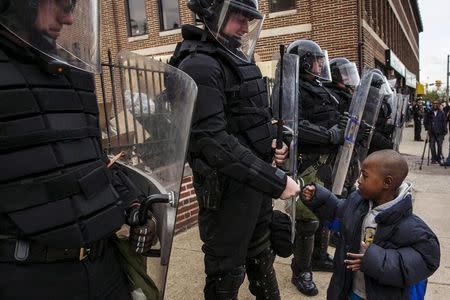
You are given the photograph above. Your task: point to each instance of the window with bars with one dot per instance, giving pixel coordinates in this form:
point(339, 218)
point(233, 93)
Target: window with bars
point(280, 5)
point(169, 14)
point(137, 18)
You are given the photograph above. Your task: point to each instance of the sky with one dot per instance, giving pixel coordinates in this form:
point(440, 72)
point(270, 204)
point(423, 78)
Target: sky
point(434, 40)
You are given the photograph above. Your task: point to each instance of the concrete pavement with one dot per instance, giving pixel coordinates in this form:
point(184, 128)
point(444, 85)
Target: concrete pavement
point(431, 187)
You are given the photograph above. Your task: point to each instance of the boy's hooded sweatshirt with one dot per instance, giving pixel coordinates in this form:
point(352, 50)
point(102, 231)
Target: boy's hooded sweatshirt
point(403, 250)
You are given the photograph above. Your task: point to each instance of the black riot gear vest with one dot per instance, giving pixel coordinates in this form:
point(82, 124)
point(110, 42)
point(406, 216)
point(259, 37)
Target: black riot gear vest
point(55, 187)
point(318, 105)
point(247, 108)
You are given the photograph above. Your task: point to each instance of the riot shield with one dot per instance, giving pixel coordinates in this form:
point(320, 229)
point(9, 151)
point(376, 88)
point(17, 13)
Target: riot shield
point(365, 105)
point(373, 104)
point(392, 101)
point(399, 121)
point(289, 113)
point(150, 126)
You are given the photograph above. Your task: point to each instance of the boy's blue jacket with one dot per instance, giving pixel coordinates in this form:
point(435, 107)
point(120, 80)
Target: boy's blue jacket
point(404, 250)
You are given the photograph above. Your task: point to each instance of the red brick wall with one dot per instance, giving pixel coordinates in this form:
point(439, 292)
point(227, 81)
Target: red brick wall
point(187, 212)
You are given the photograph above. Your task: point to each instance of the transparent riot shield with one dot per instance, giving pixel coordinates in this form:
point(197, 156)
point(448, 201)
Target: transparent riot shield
point(149, 125)
point(392, 101)
point(371, 111)
point(397, 135)
point(289, 114)
point(364, 107)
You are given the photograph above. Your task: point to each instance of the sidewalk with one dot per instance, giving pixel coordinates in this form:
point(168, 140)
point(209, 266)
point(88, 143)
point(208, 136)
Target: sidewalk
point(432, 203)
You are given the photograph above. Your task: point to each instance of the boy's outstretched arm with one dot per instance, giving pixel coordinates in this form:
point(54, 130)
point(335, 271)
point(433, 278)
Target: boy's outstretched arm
point(321, 201)
point(406, 265)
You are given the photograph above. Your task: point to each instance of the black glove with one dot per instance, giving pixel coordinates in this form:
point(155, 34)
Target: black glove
point(343, 120)
point(336, 135)
point(363, 132)
point(142, 237)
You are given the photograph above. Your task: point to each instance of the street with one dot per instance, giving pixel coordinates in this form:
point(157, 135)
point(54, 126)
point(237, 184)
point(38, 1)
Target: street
point(431, 189)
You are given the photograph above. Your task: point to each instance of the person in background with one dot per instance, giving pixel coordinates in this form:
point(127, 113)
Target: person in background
point(417, 112)
point(435, 123)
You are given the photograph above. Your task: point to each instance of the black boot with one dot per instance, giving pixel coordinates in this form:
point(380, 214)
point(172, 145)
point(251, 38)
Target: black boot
point(261, 275)
point(226, 286)
point(321, 260)
point(302, 276)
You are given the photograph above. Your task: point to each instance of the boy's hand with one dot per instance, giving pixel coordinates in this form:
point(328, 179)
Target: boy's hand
point(308, 192)
point(355, 259)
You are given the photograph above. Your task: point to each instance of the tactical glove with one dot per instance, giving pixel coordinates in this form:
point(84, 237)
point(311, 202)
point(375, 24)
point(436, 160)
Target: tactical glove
point(343, 120)
point(363, 132)
point(336, 135)
point(142, 236)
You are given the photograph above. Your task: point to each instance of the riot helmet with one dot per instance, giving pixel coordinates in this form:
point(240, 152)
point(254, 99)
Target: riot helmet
point(65, 31)
point(313, 60)
point(345, 72)
point(235, 24)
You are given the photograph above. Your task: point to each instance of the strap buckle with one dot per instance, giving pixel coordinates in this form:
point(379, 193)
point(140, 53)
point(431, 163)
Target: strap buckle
point(84, 252)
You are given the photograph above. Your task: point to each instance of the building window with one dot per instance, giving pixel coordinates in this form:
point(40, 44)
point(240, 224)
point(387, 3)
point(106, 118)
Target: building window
point(169, 14)
point(137, 18)
point(280, 5)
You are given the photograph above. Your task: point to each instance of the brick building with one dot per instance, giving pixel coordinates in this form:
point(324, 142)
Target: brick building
point(372, 33)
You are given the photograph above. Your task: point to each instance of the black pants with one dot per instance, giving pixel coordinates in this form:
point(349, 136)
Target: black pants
point(436, 141)
point(243, 217)
point(417, 128)
point(99, 279)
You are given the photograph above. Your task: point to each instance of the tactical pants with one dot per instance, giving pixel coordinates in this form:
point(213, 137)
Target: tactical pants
point(97, 279)
point(237, 230)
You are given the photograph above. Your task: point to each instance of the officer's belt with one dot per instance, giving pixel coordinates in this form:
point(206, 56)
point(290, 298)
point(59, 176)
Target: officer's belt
point(26, 251)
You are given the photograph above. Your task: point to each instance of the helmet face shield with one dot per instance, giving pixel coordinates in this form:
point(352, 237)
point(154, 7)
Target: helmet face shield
point(64, 30)
point(325, 72)
point(236, 26)
point(349, 74)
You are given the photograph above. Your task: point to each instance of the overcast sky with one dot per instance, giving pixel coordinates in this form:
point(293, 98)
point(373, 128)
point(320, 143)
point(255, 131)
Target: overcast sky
point(434, 40)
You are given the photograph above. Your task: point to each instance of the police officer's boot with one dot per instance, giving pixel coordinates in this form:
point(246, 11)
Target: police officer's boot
point(226, 286)
point(261, 275)
point(321, 260)
point(302, 276)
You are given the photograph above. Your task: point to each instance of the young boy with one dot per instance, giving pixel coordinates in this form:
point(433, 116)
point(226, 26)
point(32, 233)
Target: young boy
point(385, 251)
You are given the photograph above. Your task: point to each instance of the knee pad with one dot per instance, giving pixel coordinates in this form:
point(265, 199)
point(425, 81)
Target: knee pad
point(262, 277)
point(224, 286)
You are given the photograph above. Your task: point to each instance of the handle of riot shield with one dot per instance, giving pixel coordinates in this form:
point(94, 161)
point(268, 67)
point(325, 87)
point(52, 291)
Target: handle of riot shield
point(153, 199)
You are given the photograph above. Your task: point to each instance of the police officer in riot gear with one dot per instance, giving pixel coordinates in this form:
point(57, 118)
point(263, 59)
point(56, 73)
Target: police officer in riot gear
point(59, 202)
point(319, 136)
point(382, 134)
point(231, 148)
point(345, 78)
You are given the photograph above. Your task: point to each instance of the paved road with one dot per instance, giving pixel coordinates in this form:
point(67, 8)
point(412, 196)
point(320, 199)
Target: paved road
point(432, 202)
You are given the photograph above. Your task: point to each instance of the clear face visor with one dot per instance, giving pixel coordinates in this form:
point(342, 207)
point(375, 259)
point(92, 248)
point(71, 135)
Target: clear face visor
point(349, 74)
point(64, 30)
point(320, 66)
point(236, 27)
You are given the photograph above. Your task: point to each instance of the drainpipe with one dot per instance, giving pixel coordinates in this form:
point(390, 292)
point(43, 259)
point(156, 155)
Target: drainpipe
point(359, 4)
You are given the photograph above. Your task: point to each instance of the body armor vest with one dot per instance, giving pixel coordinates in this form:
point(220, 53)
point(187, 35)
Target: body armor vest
point(246, 108)
point(55, 187)
point(318, 105)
